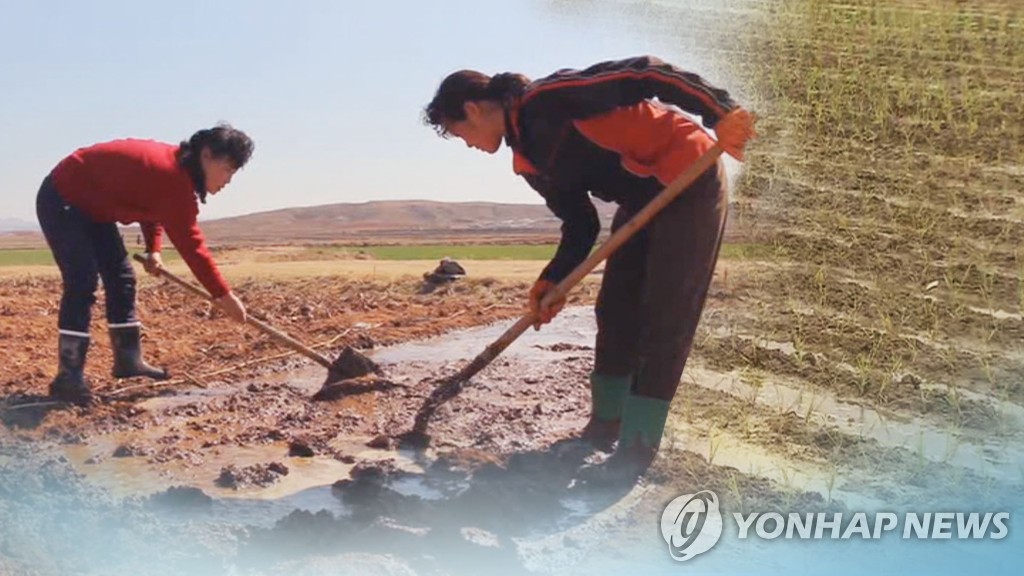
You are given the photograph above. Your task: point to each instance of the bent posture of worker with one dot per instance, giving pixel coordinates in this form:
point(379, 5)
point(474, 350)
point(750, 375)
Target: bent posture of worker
point(600, 131)
point(155, 184)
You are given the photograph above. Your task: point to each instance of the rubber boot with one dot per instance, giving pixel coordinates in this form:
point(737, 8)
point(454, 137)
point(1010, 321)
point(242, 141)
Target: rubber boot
point(607, 394)
point(643, 424)
point(70, 384)
point(128, 362)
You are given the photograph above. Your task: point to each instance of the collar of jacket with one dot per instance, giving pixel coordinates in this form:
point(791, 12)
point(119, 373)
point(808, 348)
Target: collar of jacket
point(511, 114)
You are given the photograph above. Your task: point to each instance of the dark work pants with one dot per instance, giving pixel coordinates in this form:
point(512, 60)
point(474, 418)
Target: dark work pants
point(85, 251)
point(654, 287)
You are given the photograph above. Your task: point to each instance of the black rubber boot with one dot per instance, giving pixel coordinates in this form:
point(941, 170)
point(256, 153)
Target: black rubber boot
point(70, 384)
point(128, 362)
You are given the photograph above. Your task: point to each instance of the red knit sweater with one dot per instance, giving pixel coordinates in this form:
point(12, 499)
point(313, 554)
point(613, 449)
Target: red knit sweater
point(140, 181)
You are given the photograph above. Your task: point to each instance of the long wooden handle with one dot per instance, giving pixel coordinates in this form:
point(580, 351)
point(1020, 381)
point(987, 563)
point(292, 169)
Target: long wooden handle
point(262, 326)
point(617, 239)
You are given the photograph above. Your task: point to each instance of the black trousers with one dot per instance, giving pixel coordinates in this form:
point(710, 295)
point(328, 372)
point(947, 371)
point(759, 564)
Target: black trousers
point(86, 251)
point(654, 288)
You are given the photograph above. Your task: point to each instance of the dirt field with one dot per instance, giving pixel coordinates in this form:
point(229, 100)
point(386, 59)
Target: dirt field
point(274, 482)
point(238, 428)
point(383, 270)
point(871, 360)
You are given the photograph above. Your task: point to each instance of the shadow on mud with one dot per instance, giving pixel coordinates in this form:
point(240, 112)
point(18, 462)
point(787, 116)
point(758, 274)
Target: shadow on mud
point(463, 514)
point(27, 411)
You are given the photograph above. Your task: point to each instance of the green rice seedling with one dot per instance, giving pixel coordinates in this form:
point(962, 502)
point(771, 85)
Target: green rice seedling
point(737, 495)
point(714, 443)
point(830, 483)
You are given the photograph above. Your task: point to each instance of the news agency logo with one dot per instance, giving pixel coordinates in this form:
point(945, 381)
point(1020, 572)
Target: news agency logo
point(691, 524)
point(864, 526)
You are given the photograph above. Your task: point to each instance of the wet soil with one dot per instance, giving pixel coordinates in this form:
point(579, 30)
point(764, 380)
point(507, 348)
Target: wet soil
point(258, 470)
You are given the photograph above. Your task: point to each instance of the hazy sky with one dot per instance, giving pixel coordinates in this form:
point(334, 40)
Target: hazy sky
point(331, 91)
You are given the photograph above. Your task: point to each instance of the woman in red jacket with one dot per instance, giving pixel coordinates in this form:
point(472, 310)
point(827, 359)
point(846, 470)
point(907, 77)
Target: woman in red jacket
point(598, 131)
point(156, 185)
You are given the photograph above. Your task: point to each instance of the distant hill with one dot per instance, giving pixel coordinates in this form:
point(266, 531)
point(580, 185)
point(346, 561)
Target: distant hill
point(17, 225)
point(399, 218)
point(374, 222)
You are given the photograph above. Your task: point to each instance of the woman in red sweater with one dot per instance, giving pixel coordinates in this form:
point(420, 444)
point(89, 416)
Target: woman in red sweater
point(152, 183)
point(598, 131)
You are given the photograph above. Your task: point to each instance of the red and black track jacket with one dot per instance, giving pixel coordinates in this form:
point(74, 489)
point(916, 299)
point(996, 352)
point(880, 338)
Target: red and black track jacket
point(140, 181)
point(597, 131)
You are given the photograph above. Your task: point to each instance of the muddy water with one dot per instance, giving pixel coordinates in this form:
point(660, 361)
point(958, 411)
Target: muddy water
point(305, 487)
point(527, 503)
point(308, 482)
point(998, 457)
point(524, 503)
point(569, 337)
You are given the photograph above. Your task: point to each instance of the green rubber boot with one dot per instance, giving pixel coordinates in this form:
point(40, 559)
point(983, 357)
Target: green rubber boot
point(643, 424)
point(607, 395)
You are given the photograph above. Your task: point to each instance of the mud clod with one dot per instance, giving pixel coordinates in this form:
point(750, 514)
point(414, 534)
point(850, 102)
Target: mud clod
point(351, 373)
point(352, 364)
point(260, 475)
point(182, 497)
point(377, 470)
point(364, 342)
point(464, 461)
point(351, 387)
point(300, 448)
point(130, 449)
point(414, 440)
point(382, 442)
point(564, 347)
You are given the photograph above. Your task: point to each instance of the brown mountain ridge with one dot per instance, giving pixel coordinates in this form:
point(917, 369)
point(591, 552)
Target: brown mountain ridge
point(399, 221)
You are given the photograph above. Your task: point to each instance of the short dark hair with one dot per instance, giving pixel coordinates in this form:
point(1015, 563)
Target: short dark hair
point(223, 141)
point(469, 86)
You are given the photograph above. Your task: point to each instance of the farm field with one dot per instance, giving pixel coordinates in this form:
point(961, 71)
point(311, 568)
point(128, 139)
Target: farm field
point(865, 353)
